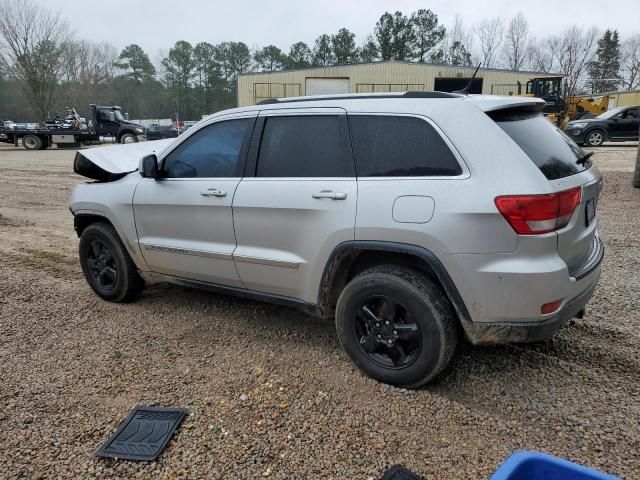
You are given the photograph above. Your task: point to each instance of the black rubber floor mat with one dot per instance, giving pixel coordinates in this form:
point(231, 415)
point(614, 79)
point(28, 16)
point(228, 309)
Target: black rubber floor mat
point(398, 472)
point(144, 434)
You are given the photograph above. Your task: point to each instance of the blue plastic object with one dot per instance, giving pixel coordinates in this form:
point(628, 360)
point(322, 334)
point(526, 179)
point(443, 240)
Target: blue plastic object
point(541, 466)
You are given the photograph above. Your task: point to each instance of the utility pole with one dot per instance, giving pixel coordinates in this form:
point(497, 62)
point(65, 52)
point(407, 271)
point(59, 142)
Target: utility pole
point(636, 174)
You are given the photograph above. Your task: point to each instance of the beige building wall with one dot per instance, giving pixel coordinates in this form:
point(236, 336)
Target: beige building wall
point(376, 77)
point(624, 99)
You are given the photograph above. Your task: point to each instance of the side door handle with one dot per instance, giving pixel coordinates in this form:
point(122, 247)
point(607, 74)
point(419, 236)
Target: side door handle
point(331, 195)
point(213, 192)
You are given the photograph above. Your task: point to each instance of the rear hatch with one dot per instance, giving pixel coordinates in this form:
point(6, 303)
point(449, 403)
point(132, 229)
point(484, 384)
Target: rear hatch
point(566, 166)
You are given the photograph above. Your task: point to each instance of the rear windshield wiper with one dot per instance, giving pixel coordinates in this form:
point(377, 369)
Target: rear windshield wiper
point(584, 158)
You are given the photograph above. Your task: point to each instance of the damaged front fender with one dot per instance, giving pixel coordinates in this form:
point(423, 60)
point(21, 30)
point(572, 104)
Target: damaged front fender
point(108, 164)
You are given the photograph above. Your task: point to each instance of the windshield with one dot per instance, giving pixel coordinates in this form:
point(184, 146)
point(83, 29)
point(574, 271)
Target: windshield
point(555, 154)
point(611, 113)
point(119, 116)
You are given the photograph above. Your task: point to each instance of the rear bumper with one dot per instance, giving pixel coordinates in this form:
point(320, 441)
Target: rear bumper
point(512, 332)
point(504, 293)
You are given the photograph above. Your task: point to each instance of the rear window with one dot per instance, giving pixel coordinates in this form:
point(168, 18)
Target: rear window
point(395, 146)
point(305, 146)
point(555, 154)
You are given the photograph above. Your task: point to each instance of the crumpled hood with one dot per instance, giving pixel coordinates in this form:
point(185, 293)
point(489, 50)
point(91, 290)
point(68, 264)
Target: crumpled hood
point(111, 163)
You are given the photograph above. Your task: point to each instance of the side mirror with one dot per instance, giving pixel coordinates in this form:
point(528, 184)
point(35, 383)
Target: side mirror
point(112, 117)
point(149, 167)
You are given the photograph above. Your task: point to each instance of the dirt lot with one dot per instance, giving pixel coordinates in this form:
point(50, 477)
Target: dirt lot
point(269, 390)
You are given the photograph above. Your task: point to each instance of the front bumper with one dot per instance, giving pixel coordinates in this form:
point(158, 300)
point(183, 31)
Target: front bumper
point(142, 138)
point(577, 135)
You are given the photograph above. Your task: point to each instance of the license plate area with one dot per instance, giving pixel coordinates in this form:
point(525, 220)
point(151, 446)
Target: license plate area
point(590, 211)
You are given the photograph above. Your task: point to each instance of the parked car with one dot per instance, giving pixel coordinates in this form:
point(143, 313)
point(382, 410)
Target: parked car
point(406, 217)
point(619, 124)
point(159, 132)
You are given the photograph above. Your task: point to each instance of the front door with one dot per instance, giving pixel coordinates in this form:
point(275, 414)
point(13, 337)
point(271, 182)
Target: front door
point(630, 123)
point(297, 201)
point(184, 220)
point(107, 123)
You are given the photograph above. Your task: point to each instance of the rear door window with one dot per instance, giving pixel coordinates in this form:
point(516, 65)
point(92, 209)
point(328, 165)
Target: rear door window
point(398, 146)
point(555, 154)
point(305, 146)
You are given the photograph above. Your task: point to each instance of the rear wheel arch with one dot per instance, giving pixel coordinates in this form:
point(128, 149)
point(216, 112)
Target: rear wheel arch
point(352, 258)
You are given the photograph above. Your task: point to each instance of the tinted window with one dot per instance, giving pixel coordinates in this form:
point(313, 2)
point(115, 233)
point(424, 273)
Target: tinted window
point(632, 113)
point(305, 146)
point(213, 151)
point(391, 146)
point(554, 153)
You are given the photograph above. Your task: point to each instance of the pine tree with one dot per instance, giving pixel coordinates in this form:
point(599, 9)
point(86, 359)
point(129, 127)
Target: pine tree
point(269, 58)
point(136, 62)
point(427, 32)
point(299, 56)
point(344, 47)
point(322, 52)
point(604, 70)
point(396, 37)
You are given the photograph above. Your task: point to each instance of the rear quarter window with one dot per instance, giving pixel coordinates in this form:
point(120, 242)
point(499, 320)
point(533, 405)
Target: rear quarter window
point(555, 154)
point(397, 146)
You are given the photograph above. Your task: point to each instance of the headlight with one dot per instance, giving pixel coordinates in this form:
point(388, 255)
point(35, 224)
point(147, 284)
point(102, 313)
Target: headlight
point(139, 130)
point(579, 125)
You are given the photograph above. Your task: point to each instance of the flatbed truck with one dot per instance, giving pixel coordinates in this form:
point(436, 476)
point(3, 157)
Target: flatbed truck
point(105, 121)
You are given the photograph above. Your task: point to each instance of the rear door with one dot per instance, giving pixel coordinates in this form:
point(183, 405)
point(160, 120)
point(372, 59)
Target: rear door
point(297, 201)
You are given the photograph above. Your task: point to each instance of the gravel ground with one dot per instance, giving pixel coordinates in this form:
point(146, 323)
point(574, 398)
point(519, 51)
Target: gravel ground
point(269, 390)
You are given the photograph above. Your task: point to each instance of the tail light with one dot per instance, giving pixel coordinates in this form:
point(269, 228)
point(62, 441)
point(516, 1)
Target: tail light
point(536, 214)
point(551, 307)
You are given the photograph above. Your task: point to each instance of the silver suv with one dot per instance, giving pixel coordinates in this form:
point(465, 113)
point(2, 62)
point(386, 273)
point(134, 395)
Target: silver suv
point(410, 218)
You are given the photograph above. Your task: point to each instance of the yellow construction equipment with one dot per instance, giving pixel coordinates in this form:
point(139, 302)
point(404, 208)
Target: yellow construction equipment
point(560, 109)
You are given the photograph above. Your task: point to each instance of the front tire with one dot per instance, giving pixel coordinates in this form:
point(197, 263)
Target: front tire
point(128, 138)
point(397, 326)
point(595, 138)
point(107, 266)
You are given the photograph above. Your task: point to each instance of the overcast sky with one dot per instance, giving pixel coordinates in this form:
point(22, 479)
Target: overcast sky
point(157, 24)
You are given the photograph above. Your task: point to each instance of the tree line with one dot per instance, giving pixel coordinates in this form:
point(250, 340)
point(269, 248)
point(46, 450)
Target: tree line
point(43, 68)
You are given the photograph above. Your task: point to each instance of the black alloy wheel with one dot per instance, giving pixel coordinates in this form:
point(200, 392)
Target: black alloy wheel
point(106, 264)
point(387, 333)
point(102, 265)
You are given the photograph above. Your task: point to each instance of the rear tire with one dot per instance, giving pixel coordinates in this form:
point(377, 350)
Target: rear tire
point(595, 138)
point(107, 266)
point(397, 325)
point(31, 142)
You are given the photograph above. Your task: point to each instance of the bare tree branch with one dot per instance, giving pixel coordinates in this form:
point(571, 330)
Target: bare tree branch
point(516, 42)
point(33, 41)
point(631, 62)
point(573, 50)
point(490, 33)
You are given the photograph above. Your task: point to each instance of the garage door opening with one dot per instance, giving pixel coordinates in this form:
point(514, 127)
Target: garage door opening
point(326, 86)
point(456, 83)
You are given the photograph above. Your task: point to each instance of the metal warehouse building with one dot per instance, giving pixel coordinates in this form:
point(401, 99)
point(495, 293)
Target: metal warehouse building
point(379, 77)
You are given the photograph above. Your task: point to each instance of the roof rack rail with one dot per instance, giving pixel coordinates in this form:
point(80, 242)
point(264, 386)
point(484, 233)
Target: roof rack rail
point(271, 101)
